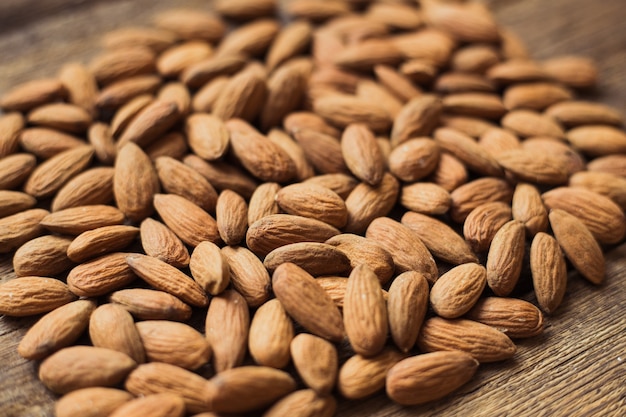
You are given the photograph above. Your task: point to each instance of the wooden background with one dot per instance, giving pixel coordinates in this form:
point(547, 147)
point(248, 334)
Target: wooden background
point(576, 368)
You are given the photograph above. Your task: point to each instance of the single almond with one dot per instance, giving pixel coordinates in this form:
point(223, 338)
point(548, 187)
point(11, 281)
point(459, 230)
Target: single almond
point(151, 305)
point(477, 192)
point(115, 65)
point(528, 208)
point(366, 203)
point(506, 257)
point(316, 258)
point(535, 96)
point(100, 276)
point(101, 138)
point(174, 60)
point(482, 224)
point(572, 70)
point(549, 271)
point(112, 327)
point(342, 110)
point(456, 291)
point(425, 197)
point(62, 116)
point(31, 94)
point(316, 361)
point(173, 144)
point(151, 122)
point(44, 256)
point(322, 150)
point(290, 41)
point(515, 318)
point(11, 125)
point(248, 275)
point(303, 402)
point(232, 217)
point(160, 242)
point(121, 92)
point(207, 135)
point(406, 308)
point(450, 173)
point(27, 296)
point(76, 220)
point(91, 402)
point(223, 175)
point(527, 123)
point(597, 140)
point(313, 201)
point(414, 159)
point(191, 24)
point(270, 336)
point(342, 184)
point(468, 151)
point(578, 112)
point(417, 118)
point(304, 168)
point(46, 142)
point(157, 405)
point(360, 250)
point(209, 268)
point(91, 187)
point(180, 179)
point(13, 202)
point(101, 241)
point(604, 183)
point(242, 96)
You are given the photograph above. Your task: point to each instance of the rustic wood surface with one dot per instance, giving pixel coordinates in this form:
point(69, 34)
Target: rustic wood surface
point(576, 368)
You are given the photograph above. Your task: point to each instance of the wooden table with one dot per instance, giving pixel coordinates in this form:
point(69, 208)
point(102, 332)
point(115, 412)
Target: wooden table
point(576, 368)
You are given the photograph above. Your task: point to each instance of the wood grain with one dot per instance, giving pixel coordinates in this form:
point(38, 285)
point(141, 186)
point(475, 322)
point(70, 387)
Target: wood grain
point(577, 368)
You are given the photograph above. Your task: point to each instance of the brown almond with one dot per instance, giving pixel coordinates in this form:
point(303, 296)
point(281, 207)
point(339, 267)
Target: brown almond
point(414, 159)
point(311, 10)
point(165, 277)
point(429, 377)
point(597, 140)
point(440, 239)
point(313, 201)
point(603, 218)
point(158, 377)
point(289, 42)
point(191, 24)
point(468, 151)
point(232, 217)
point(223, 175)
point(30, 94)
point(262, 202)
point(474, 104)
point(604, 183)
point(360, 377)
point(160, 242)
point(366, 203)
point(61, 116)
point(174, 60)
point(316, 361)
point(155, 39)
point(151, 305)
point(483, 342)
point(135, 182)
point(112, 327)
point(456, 291)
point(11, 124)
point(227, 325)
point(248, 275)
point(44, 256)
point(117, 64)
point(243, 95)
point(176, 92)
point(471, 126)
point(13, 202)
point(465, 22)
point(365, 312)
point(549, 271)
point(298, 121)
point(572, 70)
point(578, 112)
point(497, 141)
point(249, 388)
point(100, 241)
point(19, 228)
point(56, 330)
point(463, 84)
point(157, 405)
point(187, 220)
point(578, 244)
point(208, 74)
point(150, 123)
point(91, 187)
point(613, 164)
point(425, 197)
point(417, 118)
point(515, 318)
point(173, 144)
point(535, 96)
point(475, 58)
point(342, 110)
point(245, 9)
point(100, 276)
point(315, 258)
point(471, 195)
point(342, 184)
point(207, 135)
point(180, 179)
point(483, 223)
point(305, 403)
point(76, 220)
point(78, 367)
point(307, 302)
point(450, 173)
point(360, 250)
point(429, 44)
point(100, 137)
point(363, 56)
point(527, 123)
point(174, 343)
point(45, 142)
point(406, 308)
point(323, 151)
point(514, 71)
point(27, 296)
point(116, 95)
point(304, 169)
point(209, 268)
point(47, 178)
point(528, 208)
point(372, 91)
point(270, 336)
point(128, 111)
point(407, 250)
point(506, 258)
point(91, 402)
point(251, 39)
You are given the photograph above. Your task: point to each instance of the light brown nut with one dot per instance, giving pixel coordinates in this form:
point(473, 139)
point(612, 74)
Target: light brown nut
point(366, 203)
point(527, 123)
point(263, 202)
point(165, 277)
point(315, 258)
point(307, 302)
point(535, 96)
point(362, 154)
point(465, 22)
point(174, 343)
point(119, 94)
point(61, 116)
point(306, 120)
point(172, 144)
point(174, 60)
point(516, 70)
point(417, 118)
point(207, 135)
point(506, 258)
point(101, 241)
point(363, 56)
point(604, 183)
point(14, 202)
point(483, 342)
point(430, 44)
point(468, 151)
point(498, 140)
point(406, 308)
point(249, 388)
point(93, 186)
point(471, 195)
point(248, 275)
point(322, 150)
point(360, 250)
point(304, 168)
point(440, 239)
point(176, 92)
point(114, 65)
point(475, 58)
point(187, 220)
point(549, 271)
point(313, 201)
point(151, 305)
point(463, 84)
point(81, 86)
point(578, 244)
point(560, 153)
point(572, 70)
point(528, 208)
point(211, 71)
point(180, 179)
point(45, 142)
point(56, 330)
point(515, 318)
point(223, 175)
point(153, 38)
point(191, 24)
point(11, 125)
point(157, 405)
point(289, 42)
point(316, 12)
point(360, 377)
point(374, 92)
point(342, 110)
point(100, 276)
point(227, 326)
point(405, 247)
point(112, 327)
point(19, 228)
point(305, 403)
point(251, 39)
point(78, 367)
point(483, 223)
point(48, 178)
point(271, 333)
point(414, 159)
point(613, 164)
point(316, 361)
point(450, 172)
point(429, 377)
point(425, 197)
point(342, 184)
point(101, 138)
point(160, 242)
point(135, 182)
point(604, 219)
point(209, 268)
point(27, 296)
point(232, 217)
point(471, 126)
point(365, 312)
point(43, 256)
point(456, 291)
point(150, 123)
point(474, 104)
point(597, 140)
point(243, 95)
point(157, 377)
point(91, 402)
point(76, 220)
point(31, 94)
point(578, 112)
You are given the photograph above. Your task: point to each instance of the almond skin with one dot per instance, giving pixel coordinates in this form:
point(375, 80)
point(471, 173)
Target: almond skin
point(515, 318)
point(271, 333)
point(307, 302)
point(315, 258)
point(27, 296)
point(78, 367)
point(160, 242)
point(112, 327)
point(101, 275)
point(456, 291)
point(180, 179)
point(429, 377)
point(316, 361)
point(91, 402)
point(157, 405)
point(151, 304)
point(210, 268)
point(506, 258)
point(77, 220)
point(313, 201)
point(483, 223)
point(15, 169)
point(406, 308)
point(13, 202)
point(248, 275)
point(231, 214)
point(100, 241)
point(45, 255)
point(362, 154)
point(305, 403)
point(360, 250)
point(365, 203)
point(93, 186)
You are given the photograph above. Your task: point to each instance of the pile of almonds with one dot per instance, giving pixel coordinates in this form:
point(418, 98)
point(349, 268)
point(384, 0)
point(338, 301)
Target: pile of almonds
point(264, 217)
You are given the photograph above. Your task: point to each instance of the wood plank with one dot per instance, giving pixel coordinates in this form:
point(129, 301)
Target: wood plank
point(576, 368)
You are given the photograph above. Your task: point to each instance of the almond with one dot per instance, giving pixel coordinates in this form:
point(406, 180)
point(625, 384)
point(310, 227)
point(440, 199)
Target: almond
point(45, 255)
point(313, 201)
point(151, 305)
point(530, 123)
point(528, 208)
point(11, 124)
point(174, 60)
point(31, 94)
point(360, 377)
point(342, 110)
point(482, 224)
point(506, 258)
point(100, 241)
point(597, 140)
point(323, 151)
point(112, 327)
point(271, 333)
point(91, 402)
point(425, 197)
point(209, 268)
point(468, 151)
point(160, 242)
point(180, 179)
point(304, 168)
point(406, 308)
point(315, 258)
point(414, 159)
point(91, 187)
point(316, 361)
point(360, 250)
point(342, 184)
point(207, 136)
point(27, 296)
point(471, 195)
point(100, 276)
point(157, 405)
point(417, 118)
point(290, 41)
point(151, 122)
point(578, 112)
point(263, 202)
point(515, 318)
point(45, 142)
point(61, 116)
point(366, 203)
point(232, 217)
point(115, 65)
point(248, 275)
point(243, 95)
point(604, 183)
point(13, 202)
point(76, 220)
point(456, 291)
point(549, 271)
point(121, 92)
point(535, 96)
point(305, 403)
